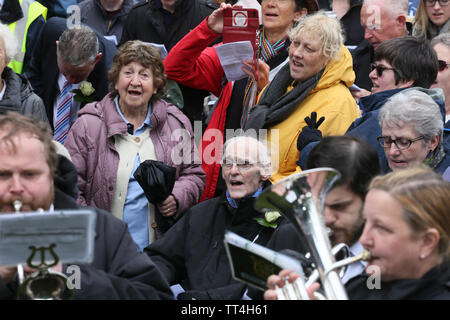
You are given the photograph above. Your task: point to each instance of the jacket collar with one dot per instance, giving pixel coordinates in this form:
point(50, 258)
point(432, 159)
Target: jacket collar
point(376, 101)
point(106, 109)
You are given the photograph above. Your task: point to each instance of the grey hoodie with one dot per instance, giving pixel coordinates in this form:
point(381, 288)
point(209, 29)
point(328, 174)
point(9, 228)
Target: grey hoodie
point(19, 97)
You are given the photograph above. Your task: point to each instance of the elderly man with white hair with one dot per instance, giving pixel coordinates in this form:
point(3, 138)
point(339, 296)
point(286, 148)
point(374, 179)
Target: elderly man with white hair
point(192, 252)
point(16, 93)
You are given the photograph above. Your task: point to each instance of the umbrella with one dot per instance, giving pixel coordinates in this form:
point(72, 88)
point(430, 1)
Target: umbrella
point(157, 180)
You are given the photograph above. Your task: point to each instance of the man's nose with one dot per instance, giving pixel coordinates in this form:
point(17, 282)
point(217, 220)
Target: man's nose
point(330, 217)
point(234, 169)
point(367, 33)
point(16, 185)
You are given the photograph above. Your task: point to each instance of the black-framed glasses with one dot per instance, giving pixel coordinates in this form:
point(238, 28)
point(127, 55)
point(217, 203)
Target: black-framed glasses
point(400, 143)
point(380, 68)
point(442, 64)
point(431, 3)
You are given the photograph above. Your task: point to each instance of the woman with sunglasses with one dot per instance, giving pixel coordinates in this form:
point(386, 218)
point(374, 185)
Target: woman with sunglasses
point(412, 134)
point(432, 18)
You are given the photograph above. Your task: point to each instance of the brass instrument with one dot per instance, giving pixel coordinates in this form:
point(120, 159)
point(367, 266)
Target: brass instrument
point(45, 283)
point(300, 198)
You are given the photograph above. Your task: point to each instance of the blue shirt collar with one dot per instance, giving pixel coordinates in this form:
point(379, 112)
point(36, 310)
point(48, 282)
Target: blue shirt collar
point(147, 121)
point(234, 203)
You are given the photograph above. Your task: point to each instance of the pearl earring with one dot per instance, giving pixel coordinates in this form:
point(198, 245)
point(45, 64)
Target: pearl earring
point(422, 256)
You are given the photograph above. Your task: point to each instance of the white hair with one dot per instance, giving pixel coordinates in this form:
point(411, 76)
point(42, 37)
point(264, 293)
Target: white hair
point(263, 155)
point(9, 42)
point(395, 7)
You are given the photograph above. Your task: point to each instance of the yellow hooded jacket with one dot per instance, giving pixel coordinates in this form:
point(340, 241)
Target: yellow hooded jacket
point(331, 98)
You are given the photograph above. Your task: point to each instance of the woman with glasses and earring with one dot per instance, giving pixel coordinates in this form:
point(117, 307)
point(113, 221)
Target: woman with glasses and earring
point(412, 134)
point(432, 18)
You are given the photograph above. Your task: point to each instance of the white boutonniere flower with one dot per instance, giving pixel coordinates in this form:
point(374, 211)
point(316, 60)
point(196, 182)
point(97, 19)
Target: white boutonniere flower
point(83, 94)
point(269, 219)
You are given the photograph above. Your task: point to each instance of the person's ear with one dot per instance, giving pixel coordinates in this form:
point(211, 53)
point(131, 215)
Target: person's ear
point(430, 240)
point(400, 23)
point(406, 84)
point(300, 13)
point(434, 142)
point(266, 172)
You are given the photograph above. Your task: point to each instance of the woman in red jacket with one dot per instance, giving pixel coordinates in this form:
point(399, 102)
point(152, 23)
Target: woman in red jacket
point(192, 63)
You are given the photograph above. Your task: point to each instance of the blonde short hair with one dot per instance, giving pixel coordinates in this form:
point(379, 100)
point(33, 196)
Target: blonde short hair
point(328, 30)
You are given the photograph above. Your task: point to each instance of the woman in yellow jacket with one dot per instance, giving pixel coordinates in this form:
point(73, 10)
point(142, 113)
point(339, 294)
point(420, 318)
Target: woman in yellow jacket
point(317, 79)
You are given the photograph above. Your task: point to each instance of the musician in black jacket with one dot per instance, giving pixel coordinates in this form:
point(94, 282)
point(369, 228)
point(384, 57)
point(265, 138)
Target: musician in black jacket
point(29, 170)
point(357, 163)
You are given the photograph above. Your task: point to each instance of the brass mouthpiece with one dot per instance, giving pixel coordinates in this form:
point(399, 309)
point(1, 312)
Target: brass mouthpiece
point(365, 255)
point(17, 204)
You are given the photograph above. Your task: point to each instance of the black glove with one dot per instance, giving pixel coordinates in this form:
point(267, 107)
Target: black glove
point(310, 132)
point(193, 295)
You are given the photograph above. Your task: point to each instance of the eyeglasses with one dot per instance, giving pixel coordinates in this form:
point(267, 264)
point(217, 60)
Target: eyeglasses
point(242, 166)
point(380, 69)
point(442, 65)
point(431, 3)
point(400, 143)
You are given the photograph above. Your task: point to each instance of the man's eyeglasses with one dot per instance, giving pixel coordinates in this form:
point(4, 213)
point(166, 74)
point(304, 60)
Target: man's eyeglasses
point(242, 166)
point(431, 3)
point(380, 69)
point(401, 143)
point(442, 64)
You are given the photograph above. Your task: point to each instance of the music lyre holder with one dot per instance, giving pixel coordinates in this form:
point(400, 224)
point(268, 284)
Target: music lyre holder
point(45, 283)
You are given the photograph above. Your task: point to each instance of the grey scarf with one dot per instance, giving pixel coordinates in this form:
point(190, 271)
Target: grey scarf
point(275, 104)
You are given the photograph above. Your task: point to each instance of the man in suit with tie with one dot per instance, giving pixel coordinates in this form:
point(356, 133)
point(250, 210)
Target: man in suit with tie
point(65, 58)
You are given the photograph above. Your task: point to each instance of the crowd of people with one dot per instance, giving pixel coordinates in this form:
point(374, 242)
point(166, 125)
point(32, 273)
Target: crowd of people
point(106, 105)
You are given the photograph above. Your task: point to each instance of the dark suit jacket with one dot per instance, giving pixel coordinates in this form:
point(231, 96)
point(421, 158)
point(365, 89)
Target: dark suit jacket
point(43, 73)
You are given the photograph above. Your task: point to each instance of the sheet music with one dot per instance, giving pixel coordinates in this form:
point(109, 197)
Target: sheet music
point(231, 55)
point(73, 232)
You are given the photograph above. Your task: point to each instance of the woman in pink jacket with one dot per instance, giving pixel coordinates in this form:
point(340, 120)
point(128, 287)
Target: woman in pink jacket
point(132, 124)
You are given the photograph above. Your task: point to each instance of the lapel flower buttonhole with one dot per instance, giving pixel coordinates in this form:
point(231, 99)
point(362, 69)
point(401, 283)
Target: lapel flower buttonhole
point(83, 94)
point(269, 219)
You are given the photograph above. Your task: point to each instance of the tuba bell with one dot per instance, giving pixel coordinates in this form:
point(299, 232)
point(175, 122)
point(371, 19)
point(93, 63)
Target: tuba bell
point(300, 198)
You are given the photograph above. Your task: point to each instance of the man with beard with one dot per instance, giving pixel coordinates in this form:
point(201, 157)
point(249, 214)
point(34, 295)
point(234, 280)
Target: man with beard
point(31, 173)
